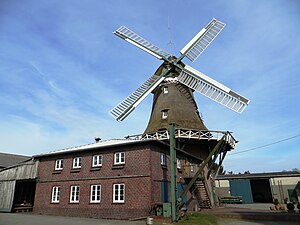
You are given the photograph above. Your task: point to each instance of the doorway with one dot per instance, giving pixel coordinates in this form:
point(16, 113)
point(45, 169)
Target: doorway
point(261, 190)
point(24, 194)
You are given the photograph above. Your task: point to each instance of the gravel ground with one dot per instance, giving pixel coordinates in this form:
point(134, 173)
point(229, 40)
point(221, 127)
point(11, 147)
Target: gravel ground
point(33, 219)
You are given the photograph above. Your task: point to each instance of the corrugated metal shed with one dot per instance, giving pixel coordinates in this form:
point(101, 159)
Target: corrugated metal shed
point(8, 178)
point(258, 175)
point(7, 160)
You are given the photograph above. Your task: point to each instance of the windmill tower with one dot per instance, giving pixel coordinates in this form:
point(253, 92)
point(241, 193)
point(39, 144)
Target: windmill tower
point(173, 85)
point(171, 100)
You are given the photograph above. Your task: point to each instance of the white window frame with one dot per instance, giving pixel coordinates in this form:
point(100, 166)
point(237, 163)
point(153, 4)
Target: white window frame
point(164, 114)
point(77, 162)
point(59, 164)
point(165, 90)
point(118, 189)
point(192, 167)
point(97, 160)
point(95, 196)
point(55, 194)
point(163, 159)
point(119, 158)
point(178, 162)
point(74, 194)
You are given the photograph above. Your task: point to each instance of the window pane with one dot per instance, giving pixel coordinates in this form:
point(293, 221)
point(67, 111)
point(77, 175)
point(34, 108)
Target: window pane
point(119, 158)
point(163, 159)
point(95, 193)
point(119, 193)
point(97, 160)
point(77, 162)
point(58, 164)
point(74, 195)
point(55, 194)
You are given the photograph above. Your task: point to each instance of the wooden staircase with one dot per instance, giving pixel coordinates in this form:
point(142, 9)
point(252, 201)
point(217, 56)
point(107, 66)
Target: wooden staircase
point(202, 195)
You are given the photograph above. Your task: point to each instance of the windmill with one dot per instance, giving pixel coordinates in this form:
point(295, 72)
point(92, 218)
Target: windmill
point(187, 79)
point(173, 85)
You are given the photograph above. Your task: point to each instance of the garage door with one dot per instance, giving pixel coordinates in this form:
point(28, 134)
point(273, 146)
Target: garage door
point(241, 187)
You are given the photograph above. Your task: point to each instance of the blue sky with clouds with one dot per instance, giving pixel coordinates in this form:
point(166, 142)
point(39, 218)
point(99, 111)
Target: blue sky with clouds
point(62, 70)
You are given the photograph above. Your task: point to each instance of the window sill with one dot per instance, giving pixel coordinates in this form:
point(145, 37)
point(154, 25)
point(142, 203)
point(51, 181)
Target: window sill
point(56, 172)
point(164, 167)
point(75, 170)
point(95, 168)
point(115, 167)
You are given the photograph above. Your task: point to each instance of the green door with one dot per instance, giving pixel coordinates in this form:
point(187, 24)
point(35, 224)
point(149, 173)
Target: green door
point(241, 187)
point(293, 195)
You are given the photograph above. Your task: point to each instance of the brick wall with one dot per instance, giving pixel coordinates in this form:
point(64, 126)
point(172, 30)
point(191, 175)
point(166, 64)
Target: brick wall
point(142, 175)
point(137, 199)
point(135, 174)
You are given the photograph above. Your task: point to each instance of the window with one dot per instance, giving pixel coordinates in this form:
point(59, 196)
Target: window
point(95, 194)
point(192, 167)
point(178, 163)
point(59, 164)
point(97, 161)
point(119, 193)
point(55, 194)
point(163, 159)
point(119, 158)
point(77, 162)
point(165, 89)
point(164, 114)
point(74, 194)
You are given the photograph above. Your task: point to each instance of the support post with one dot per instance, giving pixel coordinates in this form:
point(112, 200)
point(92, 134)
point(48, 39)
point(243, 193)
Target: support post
point(201, 168)
point(173, 162)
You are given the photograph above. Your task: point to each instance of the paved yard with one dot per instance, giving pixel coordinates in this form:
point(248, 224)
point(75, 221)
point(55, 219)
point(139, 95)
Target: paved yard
point(247, 222)
point(33, 219)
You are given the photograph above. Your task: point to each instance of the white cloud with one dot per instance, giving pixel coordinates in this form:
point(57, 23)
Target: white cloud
point(62, 70)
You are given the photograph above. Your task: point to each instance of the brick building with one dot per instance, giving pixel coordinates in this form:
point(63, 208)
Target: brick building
point(109, 179)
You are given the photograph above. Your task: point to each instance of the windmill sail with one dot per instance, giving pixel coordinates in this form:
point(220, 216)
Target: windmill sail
point(187, 75)
point(133, 38)
point(122, 110)
point(202, 40)
point(212, 89)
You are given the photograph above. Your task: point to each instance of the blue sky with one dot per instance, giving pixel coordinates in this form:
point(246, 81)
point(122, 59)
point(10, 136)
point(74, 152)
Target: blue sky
point(62, 70)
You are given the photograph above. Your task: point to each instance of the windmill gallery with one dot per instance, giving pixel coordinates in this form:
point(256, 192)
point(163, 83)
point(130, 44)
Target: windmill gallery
point(168, 168)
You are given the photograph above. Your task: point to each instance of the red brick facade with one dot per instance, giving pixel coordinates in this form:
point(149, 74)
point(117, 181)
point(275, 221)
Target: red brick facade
point(142, 175)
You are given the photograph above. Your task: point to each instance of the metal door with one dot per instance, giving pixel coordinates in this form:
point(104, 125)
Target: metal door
point(241, 187)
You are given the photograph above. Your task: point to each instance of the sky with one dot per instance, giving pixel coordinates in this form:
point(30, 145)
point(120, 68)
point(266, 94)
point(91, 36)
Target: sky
point(62, 70)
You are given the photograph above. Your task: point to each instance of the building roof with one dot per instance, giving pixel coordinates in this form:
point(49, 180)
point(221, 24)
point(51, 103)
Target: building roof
point(258, 175)
point(110, 143)
point(100, 144)
point(7, 160)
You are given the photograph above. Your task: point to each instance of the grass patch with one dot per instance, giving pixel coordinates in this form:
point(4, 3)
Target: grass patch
point(196, 219)
point(199, 218)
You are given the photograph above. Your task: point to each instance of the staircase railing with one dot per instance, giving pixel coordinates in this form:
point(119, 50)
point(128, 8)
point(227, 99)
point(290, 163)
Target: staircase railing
point(207, 185)
point(201, 169)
